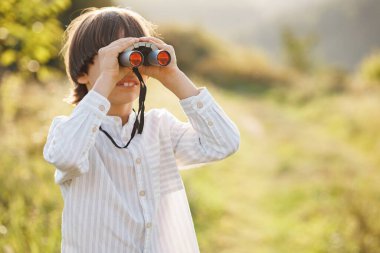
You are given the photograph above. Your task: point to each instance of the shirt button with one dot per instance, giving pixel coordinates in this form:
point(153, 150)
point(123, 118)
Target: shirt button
point(210, 123)
point(149, 225)
point(94, 129)
point(142, 193)
point(138, 160)
point(199, 105)
point(102, 108)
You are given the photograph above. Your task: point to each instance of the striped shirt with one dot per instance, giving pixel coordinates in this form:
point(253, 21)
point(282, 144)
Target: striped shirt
point(133, 200)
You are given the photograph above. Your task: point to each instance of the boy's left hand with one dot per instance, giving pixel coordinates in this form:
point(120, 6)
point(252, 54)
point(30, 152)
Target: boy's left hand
point(170, 76)
point(157, 72)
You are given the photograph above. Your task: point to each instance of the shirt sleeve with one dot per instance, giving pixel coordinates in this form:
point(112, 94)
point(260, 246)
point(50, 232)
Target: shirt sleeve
point(71, 137)
point(210, 135)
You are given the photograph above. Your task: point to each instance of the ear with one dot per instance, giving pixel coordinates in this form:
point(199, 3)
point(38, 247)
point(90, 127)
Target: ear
point(83, 79)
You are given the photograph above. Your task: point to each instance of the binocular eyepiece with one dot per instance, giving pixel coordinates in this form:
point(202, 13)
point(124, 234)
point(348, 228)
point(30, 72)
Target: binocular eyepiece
point(144, 53)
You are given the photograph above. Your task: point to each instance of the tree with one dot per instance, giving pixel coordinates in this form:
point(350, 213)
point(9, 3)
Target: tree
point(30, 36)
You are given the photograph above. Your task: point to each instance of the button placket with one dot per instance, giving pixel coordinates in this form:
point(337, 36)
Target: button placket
point(143, 200)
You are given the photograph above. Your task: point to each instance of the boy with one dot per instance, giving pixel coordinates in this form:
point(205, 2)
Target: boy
point(128, 199)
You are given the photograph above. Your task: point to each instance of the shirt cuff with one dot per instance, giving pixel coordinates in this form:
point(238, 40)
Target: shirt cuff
point(96, 102)
point(197, 103)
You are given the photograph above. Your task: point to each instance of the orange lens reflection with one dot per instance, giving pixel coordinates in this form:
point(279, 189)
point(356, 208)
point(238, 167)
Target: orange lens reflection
point(135, 59)
point(163, 58)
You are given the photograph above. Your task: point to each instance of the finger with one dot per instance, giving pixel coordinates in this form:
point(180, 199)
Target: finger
point(152, 39)
point(165, 47)
point(122, 44)
point(161, 45)
point(123, 41)
point(107, 51)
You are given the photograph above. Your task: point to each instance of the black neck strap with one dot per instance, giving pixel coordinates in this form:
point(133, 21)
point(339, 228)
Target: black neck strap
point(139, 123)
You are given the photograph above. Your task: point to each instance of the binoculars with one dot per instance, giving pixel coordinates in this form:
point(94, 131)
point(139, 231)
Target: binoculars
point(144, 53)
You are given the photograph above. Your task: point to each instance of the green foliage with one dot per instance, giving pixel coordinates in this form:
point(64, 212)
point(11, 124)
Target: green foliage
point(30, 36)
point(30, 202)
point(370, 68)
point(298, 50)
point(192, 46)
point(305, 88)
point(236, 68)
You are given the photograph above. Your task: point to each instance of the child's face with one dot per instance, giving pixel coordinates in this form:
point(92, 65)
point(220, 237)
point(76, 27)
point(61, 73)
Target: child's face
point(127, 88)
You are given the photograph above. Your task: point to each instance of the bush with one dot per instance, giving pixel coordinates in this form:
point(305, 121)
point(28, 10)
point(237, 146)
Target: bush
point(234, 67)
point(370, 68)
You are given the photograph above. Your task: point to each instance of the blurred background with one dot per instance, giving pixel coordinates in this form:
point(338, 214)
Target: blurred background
point(300, 78)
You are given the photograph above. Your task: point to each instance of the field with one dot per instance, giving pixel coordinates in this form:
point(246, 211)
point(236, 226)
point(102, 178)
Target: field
point(305, 178)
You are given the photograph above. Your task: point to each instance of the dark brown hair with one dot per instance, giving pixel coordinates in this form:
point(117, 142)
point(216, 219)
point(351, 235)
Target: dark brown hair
point(93, 29)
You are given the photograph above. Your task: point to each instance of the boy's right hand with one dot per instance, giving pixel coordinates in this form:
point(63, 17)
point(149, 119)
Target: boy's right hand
point(106, 70)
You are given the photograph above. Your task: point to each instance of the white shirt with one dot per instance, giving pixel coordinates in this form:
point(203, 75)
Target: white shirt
point(133, 200)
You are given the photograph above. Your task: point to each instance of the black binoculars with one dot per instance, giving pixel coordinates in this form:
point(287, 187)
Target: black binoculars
point(144, 53)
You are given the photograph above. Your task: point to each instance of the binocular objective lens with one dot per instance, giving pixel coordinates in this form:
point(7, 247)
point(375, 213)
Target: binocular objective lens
point(136, 59)
point(163, 58)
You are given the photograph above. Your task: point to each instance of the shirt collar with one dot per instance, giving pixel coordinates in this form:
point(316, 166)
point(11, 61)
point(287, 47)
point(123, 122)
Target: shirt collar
point(111, 120)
